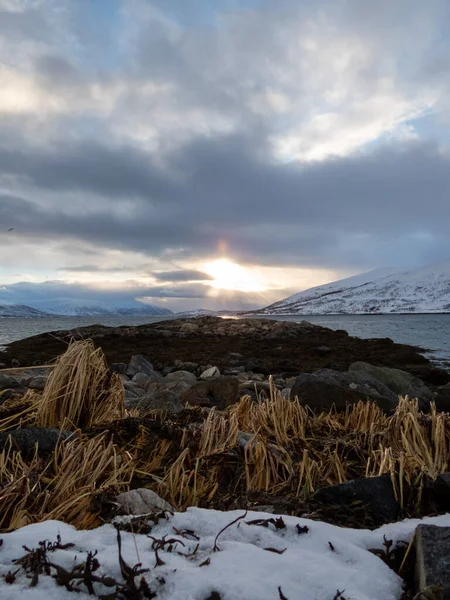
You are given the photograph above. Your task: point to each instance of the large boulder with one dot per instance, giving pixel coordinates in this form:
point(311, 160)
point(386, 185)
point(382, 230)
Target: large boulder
point(161, 399)
point(221, 392)
point(398, 381)
point(8, 382)
point(327, 388)
point(26, 439)
point(138, 364)
point(186, 376)
point(442, 398)
point(376, 493)
point(432, 561)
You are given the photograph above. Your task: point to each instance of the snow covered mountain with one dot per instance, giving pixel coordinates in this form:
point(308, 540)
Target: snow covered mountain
point(19, 310)
point(71, 307)
point(423, 290)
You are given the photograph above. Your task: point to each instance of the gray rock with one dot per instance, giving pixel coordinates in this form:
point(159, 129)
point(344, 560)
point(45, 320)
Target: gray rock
point(433, 559)
point(142, 502)
point(38, 382)
point(120, 368)
point(141, 379)
point(26, 439)
point(442, 399)
point(138, 364)
point(186, 376)
point(375, 492)
point(210, 373)
point(220, 392)
point(2, 365)
point(325, 388)
point(177, 387)
point(132, 389)
point(157, 400)
point(234, 370)
point(440, 490)
point(398, 381)
point(8, 382)
point(323, 350)
point(244, 438)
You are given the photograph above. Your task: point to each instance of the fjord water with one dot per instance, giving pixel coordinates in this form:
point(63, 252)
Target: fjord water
point(431, 332)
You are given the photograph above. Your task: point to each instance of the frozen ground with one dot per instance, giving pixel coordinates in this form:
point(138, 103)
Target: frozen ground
point(314, 565)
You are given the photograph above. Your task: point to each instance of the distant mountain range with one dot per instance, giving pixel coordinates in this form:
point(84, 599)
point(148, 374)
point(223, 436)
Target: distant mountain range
point(69, 307)
point(423, 290)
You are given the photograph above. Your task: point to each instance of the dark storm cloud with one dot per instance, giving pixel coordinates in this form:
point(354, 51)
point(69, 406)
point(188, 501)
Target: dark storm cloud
point(26, 292)
point(89, 166)
point(261, 209)
point(182, 275)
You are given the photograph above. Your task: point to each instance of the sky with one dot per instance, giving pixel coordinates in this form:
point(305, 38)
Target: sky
point(220, 155)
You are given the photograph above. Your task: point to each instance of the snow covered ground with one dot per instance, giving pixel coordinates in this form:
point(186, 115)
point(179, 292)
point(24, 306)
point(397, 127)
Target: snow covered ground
point(314, 564)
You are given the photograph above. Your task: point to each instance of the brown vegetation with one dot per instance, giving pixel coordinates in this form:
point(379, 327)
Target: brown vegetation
point(198, 457)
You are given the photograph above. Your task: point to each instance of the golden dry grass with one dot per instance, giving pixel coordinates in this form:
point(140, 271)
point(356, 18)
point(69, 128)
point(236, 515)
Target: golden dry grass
point(63, 485)
point(81, 391)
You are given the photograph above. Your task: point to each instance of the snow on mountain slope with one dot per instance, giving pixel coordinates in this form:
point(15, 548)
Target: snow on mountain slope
point(72, 307)
point(423, 290)
point(19, 310)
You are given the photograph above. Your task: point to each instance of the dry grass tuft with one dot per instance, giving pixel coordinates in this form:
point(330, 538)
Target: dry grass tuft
point(63, 485)
point(81, 391)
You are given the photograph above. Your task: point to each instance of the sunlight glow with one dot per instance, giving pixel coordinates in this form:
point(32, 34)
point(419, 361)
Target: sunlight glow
point(231, 276)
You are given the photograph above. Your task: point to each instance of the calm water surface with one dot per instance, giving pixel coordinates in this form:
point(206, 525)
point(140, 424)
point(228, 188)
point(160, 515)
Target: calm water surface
point(431, 332)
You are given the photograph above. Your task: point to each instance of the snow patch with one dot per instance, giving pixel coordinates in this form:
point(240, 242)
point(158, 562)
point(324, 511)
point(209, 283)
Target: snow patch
point(313, 565)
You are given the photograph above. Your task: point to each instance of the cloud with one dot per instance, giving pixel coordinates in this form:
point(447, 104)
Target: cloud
point(185, 275)
point(273, 133)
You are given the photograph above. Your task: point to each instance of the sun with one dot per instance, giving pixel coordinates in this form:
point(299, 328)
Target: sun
point(228, 275)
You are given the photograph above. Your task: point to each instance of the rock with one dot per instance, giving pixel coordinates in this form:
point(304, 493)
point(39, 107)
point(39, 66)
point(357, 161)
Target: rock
point(210, 373)
point(440, 491)
point(323, 350)
point(375, 492)
point(189, 327)
point(133, 389)
point(325, 388)
point(220, 392)
point(433, 559)
point(120, 368)
point(157, 400)
point(177, 387)
point(398, 381)
point(258, 386)
point(141, 379)
point(138, 364)
point(442, 399)
point(2, 365)
point(244, 438)
point(26, 439)
point(15, 362)
point(234, 370)
point(38, 382)
point(8, 382)
point(142, 502)
point(181, 376)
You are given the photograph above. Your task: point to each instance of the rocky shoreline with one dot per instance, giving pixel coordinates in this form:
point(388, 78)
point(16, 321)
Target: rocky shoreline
point(210, 361)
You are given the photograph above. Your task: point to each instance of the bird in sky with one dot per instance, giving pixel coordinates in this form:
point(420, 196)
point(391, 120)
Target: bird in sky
point(11, 229)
